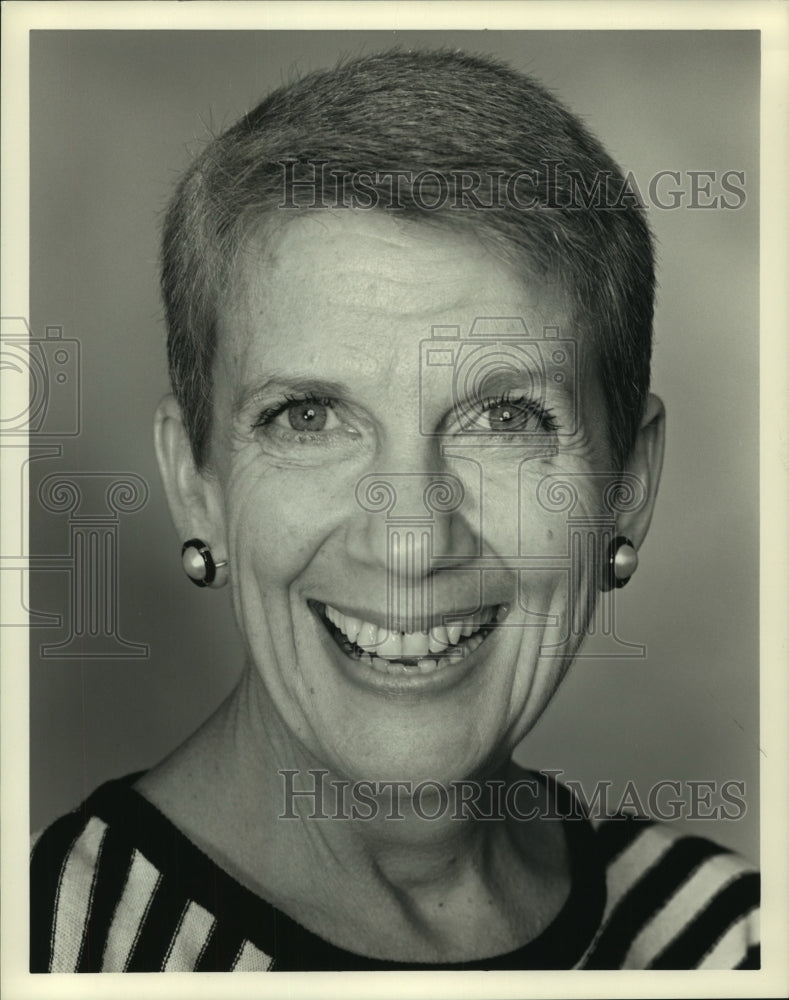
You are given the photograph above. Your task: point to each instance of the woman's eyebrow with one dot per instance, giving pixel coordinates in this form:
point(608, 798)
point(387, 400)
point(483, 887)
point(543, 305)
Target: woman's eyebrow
point(294, 383)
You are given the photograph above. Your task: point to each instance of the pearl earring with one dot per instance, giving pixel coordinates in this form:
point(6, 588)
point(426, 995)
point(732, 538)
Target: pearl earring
point(199, 565)
point(621, 564)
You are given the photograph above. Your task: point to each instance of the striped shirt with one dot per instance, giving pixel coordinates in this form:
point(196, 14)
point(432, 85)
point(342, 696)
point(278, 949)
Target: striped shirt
point(116, 887)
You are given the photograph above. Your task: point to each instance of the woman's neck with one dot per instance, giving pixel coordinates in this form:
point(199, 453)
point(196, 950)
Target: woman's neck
point(370, 872)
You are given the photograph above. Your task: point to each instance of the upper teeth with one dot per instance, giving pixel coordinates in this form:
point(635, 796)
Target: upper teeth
point(386, 644)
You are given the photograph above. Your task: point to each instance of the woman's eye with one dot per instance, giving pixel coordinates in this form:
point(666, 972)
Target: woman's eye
point(511, 416)
point(300, 416)
point(307, 416)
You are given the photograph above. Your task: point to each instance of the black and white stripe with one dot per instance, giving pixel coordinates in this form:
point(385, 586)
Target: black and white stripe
point(111, 910)
point(674, 902)
point(116, 887)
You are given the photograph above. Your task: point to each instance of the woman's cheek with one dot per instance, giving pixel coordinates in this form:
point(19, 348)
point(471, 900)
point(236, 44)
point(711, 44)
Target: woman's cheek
point(268, 505)
point(511, 520)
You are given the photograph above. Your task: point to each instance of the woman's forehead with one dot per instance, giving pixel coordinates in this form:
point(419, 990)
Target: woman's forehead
point(370, 273)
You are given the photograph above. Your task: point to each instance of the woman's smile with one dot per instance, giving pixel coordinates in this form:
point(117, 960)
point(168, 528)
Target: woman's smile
point(430, 657)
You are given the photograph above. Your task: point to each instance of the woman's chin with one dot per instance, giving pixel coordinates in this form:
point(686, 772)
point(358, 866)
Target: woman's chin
point(443, 733)
point(441, 765)
point(368, 718)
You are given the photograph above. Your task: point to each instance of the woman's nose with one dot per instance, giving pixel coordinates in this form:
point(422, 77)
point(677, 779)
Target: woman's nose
point(406, 521)
point(412, 512)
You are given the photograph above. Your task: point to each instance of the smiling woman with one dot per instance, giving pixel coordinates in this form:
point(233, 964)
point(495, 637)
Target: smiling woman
point(347, 302)
point(413, 431)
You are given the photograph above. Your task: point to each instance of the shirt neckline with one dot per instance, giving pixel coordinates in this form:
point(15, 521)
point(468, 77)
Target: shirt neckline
point(189, 871)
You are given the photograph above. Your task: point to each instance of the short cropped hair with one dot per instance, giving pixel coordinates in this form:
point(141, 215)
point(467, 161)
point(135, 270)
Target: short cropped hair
point(423, 117)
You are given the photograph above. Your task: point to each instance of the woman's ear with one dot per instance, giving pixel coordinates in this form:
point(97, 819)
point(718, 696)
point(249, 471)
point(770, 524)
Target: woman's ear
point(193, 495)
point(645, 462)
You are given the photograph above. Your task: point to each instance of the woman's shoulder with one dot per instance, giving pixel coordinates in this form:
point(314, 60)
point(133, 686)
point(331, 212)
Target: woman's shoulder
point(65, 860)
point(114, 887)
point(674, 900)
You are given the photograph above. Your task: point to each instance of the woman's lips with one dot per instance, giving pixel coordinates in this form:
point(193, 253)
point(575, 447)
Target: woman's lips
point(408, 653)
point(395, 645)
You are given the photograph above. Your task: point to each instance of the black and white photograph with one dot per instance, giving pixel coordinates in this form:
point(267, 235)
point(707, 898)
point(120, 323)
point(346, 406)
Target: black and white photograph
point(387, 439)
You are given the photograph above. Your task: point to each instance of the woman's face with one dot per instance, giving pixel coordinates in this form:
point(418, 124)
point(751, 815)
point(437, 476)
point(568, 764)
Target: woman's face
point(322, 381)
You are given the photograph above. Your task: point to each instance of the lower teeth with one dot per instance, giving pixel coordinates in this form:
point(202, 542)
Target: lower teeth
point(424, 666)
point(418, 665)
